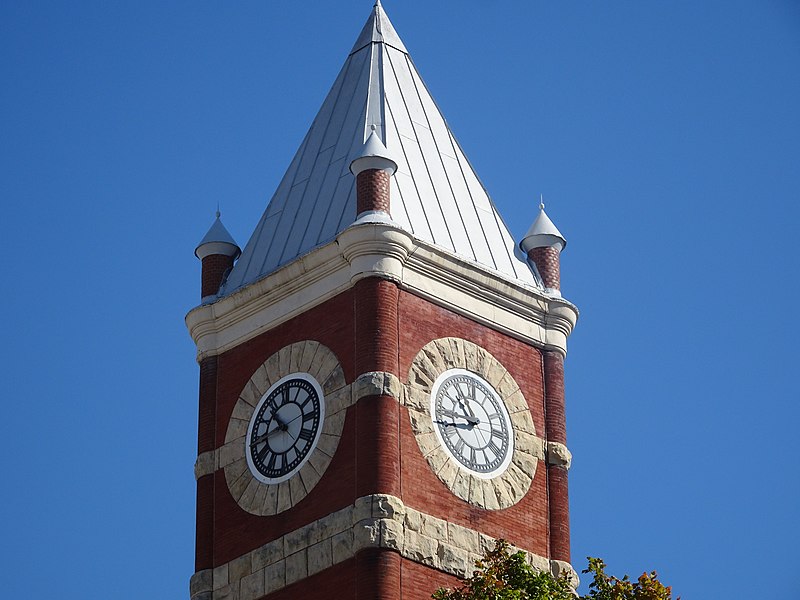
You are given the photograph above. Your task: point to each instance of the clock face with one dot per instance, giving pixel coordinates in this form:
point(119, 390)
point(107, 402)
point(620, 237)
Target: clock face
point(472, 423)
point(285, 428)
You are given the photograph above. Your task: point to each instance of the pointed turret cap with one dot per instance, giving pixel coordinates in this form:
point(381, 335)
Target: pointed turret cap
point(378, 29)
point(374, 155)
point(542, 234)
point(217, 241)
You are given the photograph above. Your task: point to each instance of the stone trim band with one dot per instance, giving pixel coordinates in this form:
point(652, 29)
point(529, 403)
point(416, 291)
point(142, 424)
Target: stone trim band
point(374, 521)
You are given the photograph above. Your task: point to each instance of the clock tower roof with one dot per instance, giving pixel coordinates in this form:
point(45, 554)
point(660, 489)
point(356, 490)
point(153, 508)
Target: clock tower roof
point(436, 195)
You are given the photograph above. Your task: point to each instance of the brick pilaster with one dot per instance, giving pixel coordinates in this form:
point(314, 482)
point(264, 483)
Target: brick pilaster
point(206, 424)
point(557, 478)
point(378, 417)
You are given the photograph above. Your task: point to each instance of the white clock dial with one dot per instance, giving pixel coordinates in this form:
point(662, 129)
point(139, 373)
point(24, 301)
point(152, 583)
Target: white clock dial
point(472, 423)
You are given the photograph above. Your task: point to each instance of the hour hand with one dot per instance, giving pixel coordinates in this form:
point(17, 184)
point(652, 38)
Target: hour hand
point(468, 418)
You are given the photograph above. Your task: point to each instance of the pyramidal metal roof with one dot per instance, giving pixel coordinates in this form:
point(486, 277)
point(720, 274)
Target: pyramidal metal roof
point(434, 194)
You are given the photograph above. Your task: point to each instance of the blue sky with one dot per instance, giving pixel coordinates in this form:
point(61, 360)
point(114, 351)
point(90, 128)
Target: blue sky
point(665, 137)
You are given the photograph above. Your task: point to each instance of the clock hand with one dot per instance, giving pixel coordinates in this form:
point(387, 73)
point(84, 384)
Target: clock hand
point(471, 419)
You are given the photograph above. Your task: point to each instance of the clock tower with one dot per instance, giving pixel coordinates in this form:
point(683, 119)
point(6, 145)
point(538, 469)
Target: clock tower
point(381, 366)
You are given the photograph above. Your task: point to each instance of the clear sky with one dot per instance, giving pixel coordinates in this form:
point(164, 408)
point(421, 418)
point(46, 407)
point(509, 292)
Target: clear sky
point(665, 137)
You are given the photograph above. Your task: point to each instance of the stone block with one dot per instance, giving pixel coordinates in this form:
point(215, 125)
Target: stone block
point(205, 464)
point(335, 381)
point(296, 567)
point(413, 519)
point(239, 567)
point(296, 357)
point(309, 351)
point(229, 592)
point(342, 546)
point(220, 577)
point(284, 359)
point(308, 474)
point(249, 495)
point(267, 555)
point(231, 452)
point(452, 560)
point(461, 537)
point(284, 497)
point(275, 576)
point(261, 380)
point(339, 401)
point(243, 411)
point(433, 527)
point(200, 582)
point(420, 548)
point(392, 534)
point(237, 485)
point(272, 365)
point(320, 556)
point(328, 443)
point(252, 586)
point(297, 490)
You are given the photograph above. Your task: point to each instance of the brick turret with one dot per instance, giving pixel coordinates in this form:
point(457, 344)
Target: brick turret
point(217, 252)
point(373, 169)
point(543, 245)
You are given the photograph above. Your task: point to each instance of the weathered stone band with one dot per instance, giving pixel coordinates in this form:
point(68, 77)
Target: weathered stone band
point(374, 521)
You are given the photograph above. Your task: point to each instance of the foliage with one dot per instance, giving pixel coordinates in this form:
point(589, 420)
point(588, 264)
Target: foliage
point(503, 575)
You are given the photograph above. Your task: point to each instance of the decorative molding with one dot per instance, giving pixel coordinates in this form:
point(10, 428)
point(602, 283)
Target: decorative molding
point(374, 521)
point(252, 494)
point(378, 247)
point(510, 486)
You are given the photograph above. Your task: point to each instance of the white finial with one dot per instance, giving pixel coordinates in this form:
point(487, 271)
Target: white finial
point(541, 201)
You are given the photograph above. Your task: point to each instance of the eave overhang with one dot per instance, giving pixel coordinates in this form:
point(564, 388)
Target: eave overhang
point(375, 246)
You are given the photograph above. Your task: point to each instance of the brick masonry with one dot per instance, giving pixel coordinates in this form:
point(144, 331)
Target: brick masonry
point(372, 191)
point(364, 531)
point(553, 367)
point(214, 267)
point(548, 261)
point(415, 322)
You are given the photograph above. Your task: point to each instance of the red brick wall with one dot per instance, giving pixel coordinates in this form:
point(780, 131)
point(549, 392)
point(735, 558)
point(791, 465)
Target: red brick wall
point(213, 269)
point(372, 190)
point(372, 575)
point(525, 523)
point(377, 451)
point(548, 261)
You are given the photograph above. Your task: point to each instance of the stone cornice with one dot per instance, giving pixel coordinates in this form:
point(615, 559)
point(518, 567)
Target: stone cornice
point(379, 248)
point(374, 521)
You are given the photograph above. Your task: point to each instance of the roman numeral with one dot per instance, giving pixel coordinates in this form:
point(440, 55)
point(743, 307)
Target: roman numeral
point(493, 447)
point(306, 434)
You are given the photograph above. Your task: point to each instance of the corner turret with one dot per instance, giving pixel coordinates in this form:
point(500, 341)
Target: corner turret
point(543, 245)
point(217, 251)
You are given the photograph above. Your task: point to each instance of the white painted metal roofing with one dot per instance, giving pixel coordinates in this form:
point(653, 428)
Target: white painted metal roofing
point(435, 194)
point(217, 234)
point(543, 232)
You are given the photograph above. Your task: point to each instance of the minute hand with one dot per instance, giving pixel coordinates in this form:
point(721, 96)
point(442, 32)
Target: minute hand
point(471, 419)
